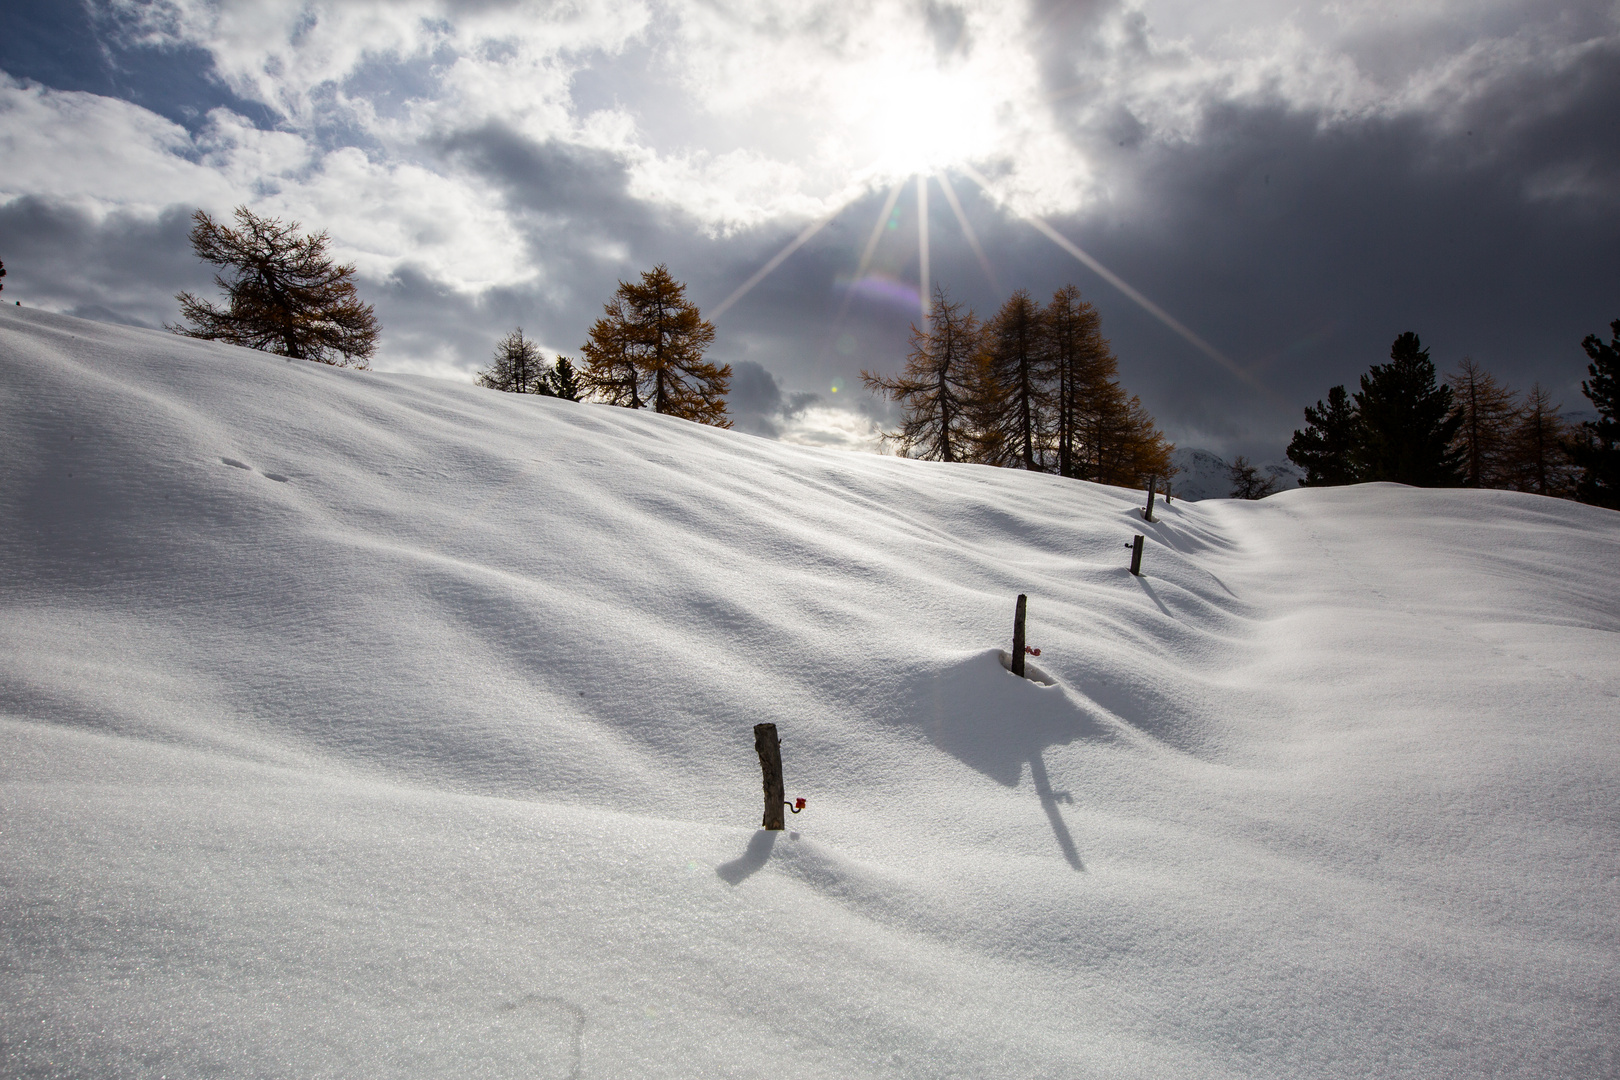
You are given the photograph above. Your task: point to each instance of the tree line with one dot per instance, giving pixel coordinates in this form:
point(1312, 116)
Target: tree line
point(1032, 388)
point(645, 352)
point(1406, 425)
point(284, 294)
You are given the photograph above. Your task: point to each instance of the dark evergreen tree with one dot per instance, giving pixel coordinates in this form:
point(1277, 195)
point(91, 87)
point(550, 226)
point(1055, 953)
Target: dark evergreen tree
point(564, 380)
point(1408, 422)
point(1247, 482)
point(517, 368)
point(2, 276)
point(1328, 446)
point(1595, 448)
point(936, 390)
point(285, 295)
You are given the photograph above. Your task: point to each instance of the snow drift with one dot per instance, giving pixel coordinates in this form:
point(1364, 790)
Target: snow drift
point(366, 725)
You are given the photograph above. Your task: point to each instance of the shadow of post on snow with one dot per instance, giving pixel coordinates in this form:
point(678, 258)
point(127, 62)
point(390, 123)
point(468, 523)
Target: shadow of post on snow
point(989, 719)
point(755, 856)
point(1049, 801)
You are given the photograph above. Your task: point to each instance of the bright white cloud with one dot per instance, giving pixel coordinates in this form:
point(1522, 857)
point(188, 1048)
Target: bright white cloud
point(98, 151)
point(733, 113)
point(105, 155)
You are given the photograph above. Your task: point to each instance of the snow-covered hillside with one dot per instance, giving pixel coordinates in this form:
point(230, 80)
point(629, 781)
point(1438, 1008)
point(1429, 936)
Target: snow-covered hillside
point(361, 725)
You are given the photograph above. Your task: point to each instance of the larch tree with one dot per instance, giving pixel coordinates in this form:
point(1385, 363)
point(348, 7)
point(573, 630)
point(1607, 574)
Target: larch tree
point(1408, 421)
point(1130, 449)
point(1489, 415)
point(1330, 443)
point(647, 352)
point(517, 367)
point(936, 390)
point(1537, 457)
point(1015, 377)
point(1247, 482)
point(1596, 447)
point(1079, 364)
point(283, 293)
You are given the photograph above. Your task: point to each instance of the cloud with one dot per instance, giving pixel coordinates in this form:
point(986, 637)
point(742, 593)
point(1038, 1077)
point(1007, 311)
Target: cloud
point(757, 404)
point(1298, 182)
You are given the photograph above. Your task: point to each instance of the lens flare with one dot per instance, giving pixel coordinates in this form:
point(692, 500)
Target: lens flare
point(882, 289)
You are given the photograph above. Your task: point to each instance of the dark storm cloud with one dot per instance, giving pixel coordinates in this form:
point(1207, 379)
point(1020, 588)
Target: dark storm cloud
point(757, 404)
point(1302, 250)
point(122, 268)
point(570, 183)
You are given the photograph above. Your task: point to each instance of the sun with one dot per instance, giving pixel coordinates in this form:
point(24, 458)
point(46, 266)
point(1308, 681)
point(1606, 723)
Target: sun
point(913, 120)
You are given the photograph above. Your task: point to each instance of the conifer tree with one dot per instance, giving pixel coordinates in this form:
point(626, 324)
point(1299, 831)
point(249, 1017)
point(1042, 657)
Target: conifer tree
point(1101, 433)
point(1407, 420)
point(1489, 416)
point(937, 389)
point(564, 380)
point(1596, 449)
point(1080, 366)
point(284, 293)
point(1246, 480)
point(1536, 451)
point(1330, 443)
point(2, 276)
point(647, 351)
point(517, 368)
point(1013, 410)
point(1128, 447)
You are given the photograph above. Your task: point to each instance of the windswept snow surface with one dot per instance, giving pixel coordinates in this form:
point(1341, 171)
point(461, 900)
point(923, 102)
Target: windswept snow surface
point(361, 725)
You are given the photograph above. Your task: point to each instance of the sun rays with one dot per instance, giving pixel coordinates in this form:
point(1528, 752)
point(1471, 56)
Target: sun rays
point(886, 221)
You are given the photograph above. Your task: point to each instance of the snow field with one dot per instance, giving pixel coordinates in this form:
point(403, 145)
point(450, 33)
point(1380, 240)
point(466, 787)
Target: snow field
point(368, 725)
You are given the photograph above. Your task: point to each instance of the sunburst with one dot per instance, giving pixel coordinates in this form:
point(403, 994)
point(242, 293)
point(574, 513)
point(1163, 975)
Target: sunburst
point(924, 267)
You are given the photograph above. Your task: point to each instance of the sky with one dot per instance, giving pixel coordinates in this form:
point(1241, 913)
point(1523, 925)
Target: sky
point(1258, 196)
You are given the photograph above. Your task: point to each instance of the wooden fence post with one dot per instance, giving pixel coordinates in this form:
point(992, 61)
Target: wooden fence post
point(1153, 484)
point(1136, 555)
point(769, 749)
point(1167, 493)
point(1018, 637)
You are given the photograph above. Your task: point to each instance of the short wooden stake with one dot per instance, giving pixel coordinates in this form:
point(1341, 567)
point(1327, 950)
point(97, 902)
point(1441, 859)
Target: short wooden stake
point(1136, 555)
point(1167, 493)
point(1018, 636)
point(770, 762)
point(1153, 483)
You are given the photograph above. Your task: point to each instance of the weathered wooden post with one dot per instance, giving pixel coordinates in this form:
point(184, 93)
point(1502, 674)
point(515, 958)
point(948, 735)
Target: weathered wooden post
point(1167, 493)
point(1136, 555)
point(1018, 636)
point(1153, 484)
point(770, 763)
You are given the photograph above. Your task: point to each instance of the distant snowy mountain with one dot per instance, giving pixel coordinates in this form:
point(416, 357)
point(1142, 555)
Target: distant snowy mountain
point(366, 725)
point(1204, 475)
